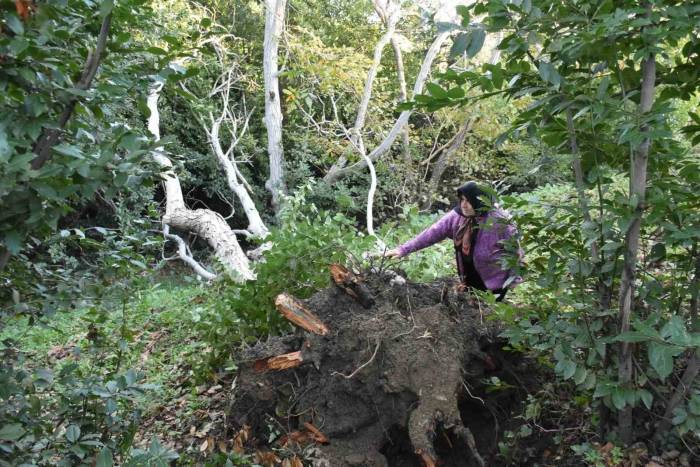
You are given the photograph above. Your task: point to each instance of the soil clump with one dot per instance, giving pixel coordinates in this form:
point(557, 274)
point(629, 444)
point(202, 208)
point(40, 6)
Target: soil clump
point(414, 376)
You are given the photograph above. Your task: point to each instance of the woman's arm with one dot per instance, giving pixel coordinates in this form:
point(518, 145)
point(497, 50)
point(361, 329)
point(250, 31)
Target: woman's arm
point(433, 234)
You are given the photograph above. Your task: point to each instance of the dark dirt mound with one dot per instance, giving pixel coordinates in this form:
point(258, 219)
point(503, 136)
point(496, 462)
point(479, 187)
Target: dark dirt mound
point(400, 383)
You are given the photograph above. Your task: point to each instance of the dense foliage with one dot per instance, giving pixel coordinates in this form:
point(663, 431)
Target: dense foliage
point(582, 115)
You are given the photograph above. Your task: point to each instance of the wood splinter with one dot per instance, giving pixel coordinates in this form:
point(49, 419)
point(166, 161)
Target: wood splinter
point(279, 362)
point(351, 284)
point(297, 313)
point(426, 459)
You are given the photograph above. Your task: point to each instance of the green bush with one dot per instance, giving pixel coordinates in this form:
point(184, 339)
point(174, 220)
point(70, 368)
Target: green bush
point(307, 241)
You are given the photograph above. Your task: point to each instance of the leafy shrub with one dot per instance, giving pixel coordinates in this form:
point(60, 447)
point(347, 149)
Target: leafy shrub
point(307, 241)
point(565, 321)
point(62, 417)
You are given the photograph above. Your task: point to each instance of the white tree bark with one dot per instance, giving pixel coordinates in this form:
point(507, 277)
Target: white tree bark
point(441, 164)
point(336, 173)
point(390, 19)
point(403, 94)
point(206, 223)
point(274, 24)
point(236, 182)
point(185, 256)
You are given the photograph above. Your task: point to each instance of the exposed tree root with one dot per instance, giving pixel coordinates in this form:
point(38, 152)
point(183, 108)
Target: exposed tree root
point(387, 381)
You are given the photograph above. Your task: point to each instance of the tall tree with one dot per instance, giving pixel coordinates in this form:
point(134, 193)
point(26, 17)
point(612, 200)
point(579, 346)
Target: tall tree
point(274, 26)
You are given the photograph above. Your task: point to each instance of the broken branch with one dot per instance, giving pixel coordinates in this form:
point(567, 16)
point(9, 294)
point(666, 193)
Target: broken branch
point(297, 313)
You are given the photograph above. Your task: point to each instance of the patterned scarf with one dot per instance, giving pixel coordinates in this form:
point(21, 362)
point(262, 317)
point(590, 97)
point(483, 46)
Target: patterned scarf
point(463, 238)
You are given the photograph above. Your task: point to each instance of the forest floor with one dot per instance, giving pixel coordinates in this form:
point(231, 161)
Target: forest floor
point(421, 369)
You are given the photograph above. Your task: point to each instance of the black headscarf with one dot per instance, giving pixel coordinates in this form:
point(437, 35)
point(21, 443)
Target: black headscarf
point(472, 191)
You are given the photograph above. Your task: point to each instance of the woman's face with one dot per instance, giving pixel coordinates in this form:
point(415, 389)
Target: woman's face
point(466, 206)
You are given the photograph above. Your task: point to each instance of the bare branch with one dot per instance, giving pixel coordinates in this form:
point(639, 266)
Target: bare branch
point(185, 256)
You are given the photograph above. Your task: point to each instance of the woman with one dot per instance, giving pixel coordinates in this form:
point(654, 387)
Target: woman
point(479, 235)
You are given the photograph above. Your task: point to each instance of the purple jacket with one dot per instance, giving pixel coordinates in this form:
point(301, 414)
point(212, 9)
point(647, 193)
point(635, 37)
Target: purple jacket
point(494, 228)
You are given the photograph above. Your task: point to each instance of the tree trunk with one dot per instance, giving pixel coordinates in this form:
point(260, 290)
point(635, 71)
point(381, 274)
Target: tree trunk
point(604, 290)
point(256, 226)
point(51, 136)
point(638, 180)
point(337, 172)
point(274, 24)
point(441, 164)
point(206, 223)
point(403, 94)
point(356, 132)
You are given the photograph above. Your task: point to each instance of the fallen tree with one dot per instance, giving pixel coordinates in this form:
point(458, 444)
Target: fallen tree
point(207, 224)
point(380, 372)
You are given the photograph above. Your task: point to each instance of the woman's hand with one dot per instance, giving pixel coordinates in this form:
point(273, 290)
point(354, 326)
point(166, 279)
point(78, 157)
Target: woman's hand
point(392, 254)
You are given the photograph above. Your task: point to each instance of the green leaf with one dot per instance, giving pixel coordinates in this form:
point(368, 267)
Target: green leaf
point(106, 8)
point(633, 336)
point(4, 145)
point(661, 358)
point(460, 44)
point(476, 42)
point(12, 432)
point(436, 91)
point(463, 11)
point(602, 390)
point(104, 458)
point(569, 369)
point(566, 367)
point(549, 73)
point(69, 150)
point(580, 375)
point(675, 330)
point(13, 242)
point(455, 93)
point(619, 398)
point(73, 433)
point(156, 51)
point(603, 88)
point(679, 416)
point(14, 23)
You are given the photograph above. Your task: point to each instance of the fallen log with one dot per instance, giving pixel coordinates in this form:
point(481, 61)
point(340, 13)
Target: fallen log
point(297, 313)
point(351, 284)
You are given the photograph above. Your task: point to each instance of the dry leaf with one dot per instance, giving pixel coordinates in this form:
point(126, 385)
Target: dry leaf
point(203, 447)
point(222, 447)
point(606, 448)
point(240, 439)
point(316, 434)
point(296, 462)
point(267, 458)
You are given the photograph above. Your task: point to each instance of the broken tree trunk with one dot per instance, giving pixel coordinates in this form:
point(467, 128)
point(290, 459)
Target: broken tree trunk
point(351, 284)
point(295, 311)
point(279, 362)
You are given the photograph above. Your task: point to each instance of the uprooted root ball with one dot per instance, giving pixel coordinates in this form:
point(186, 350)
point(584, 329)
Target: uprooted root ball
point(393, 383)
